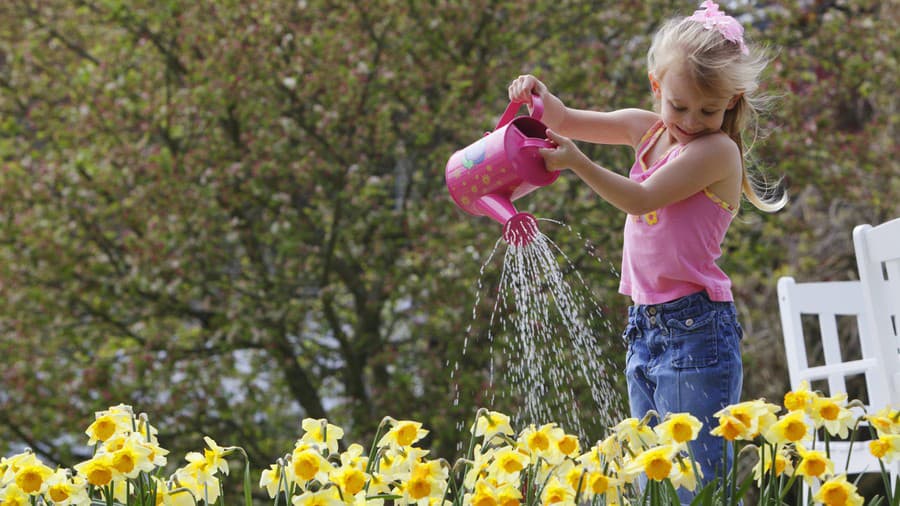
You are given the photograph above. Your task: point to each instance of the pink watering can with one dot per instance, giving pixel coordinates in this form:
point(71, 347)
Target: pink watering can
point(487, 176)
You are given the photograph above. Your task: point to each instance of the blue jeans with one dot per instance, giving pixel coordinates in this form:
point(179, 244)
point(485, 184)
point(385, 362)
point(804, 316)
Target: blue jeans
point(684, 356)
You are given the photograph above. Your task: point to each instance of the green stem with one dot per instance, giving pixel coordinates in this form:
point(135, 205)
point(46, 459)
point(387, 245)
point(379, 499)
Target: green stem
point(580, 485)
point(374, 448)
point(248, 499)
point(529, 485)
point(887, 482)
point(282, 484)
point(787, 487)
point(732, 500)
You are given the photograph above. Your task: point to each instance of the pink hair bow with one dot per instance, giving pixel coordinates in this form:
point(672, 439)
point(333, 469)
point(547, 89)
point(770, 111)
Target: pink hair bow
point(714, 19)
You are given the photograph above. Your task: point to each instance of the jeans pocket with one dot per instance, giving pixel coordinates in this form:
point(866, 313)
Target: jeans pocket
point(631, 331)
point(692, 341)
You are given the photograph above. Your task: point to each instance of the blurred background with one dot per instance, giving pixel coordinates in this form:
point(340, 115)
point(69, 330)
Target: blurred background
point(232, 215)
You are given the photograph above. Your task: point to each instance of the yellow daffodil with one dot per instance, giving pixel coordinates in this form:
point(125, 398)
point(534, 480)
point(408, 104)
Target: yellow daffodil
point(838, 492)
point(507, 463)
point(508, 494)
point(886, 447)
point(484, 495)
point(432, 469)
point(800, 399)
point(568, 445)
point(656, 462)
point(599, 483)
point(427, 479)
point(320, 432)
point(790, 428)
point(324, 497)
point(353, 457)
point(275, 477)
point(534, 440)
point(782, 462)
point(133, 457)
point(593, 459)
point(349, 479)
point(308, 464)
point(66, 491)
point(730, 428)
point(491, 423)
point(215, 455)
point(10, 466)
point(684, 475)
point(885, 421)
point(397, 464)
point(813, 464)
point(402, 434)
point(32, 477)
point(538, 442)
point(157, 453)
point(637, 435)
point(678, 428)
point(108, 423)
point(756, 415)
point(12, 495)
point(418, 487)
point(201, 484)
point(611, 448)
point(573, 475)
point(167, 497)
point(99, 471)
point(557, 492)
point(480, 463)
point(378, 484)
point(833, 414)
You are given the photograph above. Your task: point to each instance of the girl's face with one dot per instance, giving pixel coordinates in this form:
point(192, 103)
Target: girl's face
point(686, 111)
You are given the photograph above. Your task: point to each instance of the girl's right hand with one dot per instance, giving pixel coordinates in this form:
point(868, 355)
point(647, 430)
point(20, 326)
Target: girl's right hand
point(523, 87)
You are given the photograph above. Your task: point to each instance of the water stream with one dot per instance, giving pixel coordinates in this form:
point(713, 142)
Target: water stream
point(547, 338)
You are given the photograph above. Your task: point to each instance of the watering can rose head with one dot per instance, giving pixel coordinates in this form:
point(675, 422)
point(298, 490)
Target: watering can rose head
point(488, 175)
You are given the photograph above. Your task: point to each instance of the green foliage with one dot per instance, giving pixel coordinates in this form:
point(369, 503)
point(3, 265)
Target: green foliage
point(233, 214)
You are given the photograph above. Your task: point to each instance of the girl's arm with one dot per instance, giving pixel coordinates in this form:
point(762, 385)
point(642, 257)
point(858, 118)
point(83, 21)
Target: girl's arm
point(625, 126)
point(703, 162)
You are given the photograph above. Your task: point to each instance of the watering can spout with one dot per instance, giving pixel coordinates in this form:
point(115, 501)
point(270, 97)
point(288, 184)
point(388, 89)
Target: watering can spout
point(519, 229)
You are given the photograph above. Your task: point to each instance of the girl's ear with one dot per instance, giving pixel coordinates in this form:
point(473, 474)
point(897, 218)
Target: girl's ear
point(734, 101)
point(654, 84)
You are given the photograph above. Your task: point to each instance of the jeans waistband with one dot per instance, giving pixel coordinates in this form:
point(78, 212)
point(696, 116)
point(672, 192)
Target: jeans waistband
point(690, 306)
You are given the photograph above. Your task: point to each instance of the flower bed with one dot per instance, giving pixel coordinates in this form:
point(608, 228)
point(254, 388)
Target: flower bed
point(537, 465)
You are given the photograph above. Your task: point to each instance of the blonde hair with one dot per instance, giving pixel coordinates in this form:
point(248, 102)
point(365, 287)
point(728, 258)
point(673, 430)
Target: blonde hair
point(719, 68)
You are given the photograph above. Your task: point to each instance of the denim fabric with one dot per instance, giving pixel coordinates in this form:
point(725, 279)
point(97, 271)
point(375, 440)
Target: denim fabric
point(684, 356)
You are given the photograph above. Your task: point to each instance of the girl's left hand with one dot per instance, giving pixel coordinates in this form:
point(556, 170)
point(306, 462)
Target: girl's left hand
point(566, 155)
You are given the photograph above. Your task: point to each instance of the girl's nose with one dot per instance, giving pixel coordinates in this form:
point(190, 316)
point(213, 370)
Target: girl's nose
point(692, 122)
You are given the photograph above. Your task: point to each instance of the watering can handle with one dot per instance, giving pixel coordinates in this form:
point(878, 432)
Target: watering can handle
point(537, 110)
point(532, 142)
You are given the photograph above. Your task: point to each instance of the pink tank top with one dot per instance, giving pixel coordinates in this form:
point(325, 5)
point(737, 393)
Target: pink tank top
point(671, 252)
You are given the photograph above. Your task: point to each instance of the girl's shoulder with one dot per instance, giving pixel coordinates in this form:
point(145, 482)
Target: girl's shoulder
point(716, 153)
point(717, 145)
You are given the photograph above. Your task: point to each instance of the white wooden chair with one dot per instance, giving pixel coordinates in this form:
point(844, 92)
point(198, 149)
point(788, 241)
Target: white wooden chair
point(878, 260)
point(827, 301)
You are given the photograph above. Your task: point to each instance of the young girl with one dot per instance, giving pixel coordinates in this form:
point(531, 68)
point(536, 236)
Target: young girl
point(683, 191)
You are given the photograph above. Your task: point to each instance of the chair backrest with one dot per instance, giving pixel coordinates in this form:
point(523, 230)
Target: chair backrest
point(878, 260)
point(827, 301)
